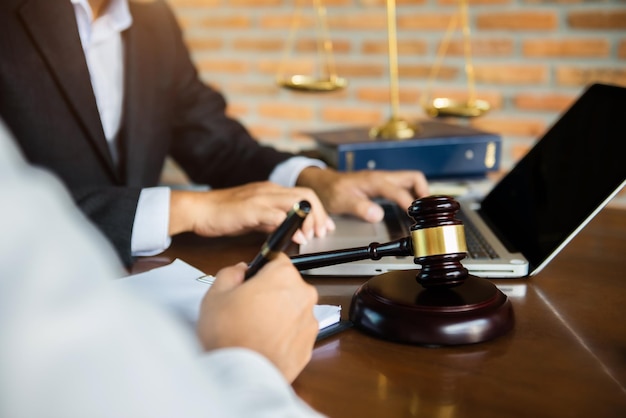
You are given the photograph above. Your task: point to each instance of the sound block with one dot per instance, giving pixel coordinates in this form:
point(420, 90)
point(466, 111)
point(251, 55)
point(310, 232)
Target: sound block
point(394, 306)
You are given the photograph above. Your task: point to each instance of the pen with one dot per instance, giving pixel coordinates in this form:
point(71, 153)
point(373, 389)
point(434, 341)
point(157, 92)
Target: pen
point(279, 239)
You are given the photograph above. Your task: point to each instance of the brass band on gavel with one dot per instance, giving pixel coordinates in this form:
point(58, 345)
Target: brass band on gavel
point(438, 240)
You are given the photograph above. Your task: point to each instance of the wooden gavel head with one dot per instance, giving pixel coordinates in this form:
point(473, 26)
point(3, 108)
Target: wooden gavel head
point(438, 241)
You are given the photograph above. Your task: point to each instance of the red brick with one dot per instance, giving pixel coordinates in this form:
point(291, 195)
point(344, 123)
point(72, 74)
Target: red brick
point(203, 44)
point(520, 20)
point(254, 3)
point(265, 132)
point(361, 70)
point(383, 3)
point(359, 21)
point(475, 2)
point(566, 48)
point(381, 95)
point(573, 76)
point(290, 67)
point(511, 126)
point(286, 21)
point(237, 110)
point(194, 3)
point(511, 74)
point(286, 111)
point(405, 47)
point(258, 44)
point(597, 19)
point(424, 21)
point(543, 101)
point(269, 89)
point(311, 45)
point(226, 22)
point(352, 116)
point(487, 47)
point(518, 151)
point(223, 66)
point(621, 49)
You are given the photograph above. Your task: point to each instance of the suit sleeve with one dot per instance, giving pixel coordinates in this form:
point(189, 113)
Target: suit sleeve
point(210, 146)
point(112, 209)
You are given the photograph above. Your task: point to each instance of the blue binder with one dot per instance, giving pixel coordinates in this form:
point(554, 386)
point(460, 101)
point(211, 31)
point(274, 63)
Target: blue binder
point(439, 150)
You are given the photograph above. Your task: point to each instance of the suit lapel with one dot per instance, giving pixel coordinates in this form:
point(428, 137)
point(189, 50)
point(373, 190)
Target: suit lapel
point(52, 25)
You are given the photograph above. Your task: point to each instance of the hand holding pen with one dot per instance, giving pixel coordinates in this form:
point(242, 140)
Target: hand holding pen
point(280, 238)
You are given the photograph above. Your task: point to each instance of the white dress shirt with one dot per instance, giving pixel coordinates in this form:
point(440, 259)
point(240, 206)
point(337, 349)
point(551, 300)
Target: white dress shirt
point(104, 51)
point(73, 344)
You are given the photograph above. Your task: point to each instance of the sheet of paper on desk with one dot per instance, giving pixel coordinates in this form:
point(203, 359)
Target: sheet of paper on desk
point(176, 286)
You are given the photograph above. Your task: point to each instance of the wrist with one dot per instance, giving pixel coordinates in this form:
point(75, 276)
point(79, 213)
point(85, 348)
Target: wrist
point(181, 211)
point(312, 176)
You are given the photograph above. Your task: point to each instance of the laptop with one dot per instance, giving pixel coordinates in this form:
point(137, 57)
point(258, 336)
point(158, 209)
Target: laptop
point(529, 216)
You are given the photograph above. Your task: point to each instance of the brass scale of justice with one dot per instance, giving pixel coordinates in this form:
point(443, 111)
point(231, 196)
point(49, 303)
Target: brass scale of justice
point(439, 304)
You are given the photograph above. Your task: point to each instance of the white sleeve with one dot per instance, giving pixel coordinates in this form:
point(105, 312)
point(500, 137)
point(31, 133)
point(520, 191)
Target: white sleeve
point(264, 390)
point(286, 173)
point(75, 345)
point(150, 227)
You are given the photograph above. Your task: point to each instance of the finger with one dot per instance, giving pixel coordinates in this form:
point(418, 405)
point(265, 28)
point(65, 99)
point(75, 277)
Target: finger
point(318, 221)
point(403, 197)
point(229, 278)
point(413, 181)
point(299, 237)
point(364, 208)
point(401, 187)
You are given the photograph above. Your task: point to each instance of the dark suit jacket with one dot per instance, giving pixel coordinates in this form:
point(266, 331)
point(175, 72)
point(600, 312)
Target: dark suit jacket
point(47, 100)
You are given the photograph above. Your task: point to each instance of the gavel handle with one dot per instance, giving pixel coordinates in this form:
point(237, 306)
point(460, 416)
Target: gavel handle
point(374, 251)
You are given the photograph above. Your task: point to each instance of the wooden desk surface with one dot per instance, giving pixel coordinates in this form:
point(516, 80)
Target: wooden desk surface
point(565, 357)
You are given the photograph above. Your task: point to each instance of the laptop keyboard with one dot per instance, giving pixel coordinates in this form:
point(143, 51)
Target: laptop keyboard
point(477, 246)
point(399, 223)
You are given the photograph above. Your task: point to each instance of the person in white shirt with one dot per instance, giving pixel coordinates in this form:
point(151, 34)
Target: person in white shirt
point(74, 344)
point(102, 91)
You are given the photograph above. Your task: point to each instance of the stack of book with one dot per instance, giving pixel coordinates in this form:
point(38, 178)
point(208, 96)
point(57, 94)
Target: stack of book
point(439, 150)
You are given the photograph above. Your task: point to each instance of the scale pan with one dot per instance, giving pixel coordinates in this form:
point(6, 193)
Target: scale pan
point(443, 107)
point(312, 84)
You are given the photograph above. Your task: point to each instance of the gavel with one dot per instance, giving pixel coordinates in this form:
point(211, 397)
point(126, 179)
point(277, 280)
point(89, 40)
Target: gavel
point(373, 251)
point(438, 304)
point(436, 241)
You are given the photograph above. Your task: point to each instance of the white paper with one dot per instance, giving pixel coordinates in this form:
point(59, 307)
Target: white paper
point(176, 286)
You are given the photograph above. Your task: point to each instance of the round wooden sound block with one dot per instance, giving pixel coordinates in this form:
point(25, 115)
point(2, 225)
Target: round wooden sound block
point(393, 306)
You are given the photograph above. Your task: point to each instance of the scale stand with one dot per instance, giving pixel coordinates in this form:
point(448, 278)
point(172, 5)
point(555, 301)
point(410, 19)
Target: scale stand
point(327, 82)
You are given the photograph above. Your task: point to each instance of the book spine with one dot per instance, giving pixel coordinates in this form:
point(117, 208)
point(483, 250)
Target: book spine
point(436, 160)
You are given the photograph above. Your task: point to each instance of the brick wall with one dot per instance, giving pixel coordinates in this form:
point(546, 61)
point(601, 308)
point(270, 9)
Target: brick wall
point(532, 58)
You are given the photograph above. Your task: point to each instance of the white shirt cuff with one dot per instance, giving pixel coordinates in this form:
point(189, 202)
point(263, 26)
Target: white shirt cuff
point(150, 229)
point(286, 173)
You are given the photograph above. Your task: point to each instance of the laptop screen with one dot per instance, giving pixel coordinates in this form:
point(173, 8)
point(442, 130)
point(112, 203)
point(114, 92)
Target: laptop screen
point(572, 170)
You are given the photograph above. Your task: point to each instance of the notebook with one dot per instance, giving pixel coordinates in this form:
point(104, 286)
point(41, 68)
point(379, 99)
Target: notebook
point(529, 216)
point(180, 287)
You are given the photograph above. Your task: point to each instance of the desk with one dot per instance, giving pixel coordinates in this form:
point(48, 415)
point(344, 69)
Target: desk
point(566, 356)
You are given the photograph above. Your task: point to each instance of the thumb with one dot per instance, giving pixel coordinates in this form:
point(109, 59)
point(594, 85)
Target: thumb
point(229, 278)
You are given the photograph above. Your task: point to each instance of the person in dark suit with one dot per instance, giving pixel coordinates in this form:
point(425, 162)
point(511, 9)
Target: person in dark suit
point(102, 91)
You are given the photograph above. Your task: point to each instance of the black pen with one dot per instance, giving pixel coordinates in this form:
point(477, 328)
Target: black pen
point(280, 238)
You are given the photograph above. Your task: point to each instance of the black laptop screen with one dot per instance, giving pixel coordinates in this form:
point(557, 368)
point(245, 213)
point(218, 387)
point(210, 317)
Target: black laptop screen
point(575, 167)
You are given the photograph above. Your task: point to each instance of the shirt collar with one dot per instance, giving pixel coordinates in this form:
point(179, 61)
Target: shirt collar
point(117, 13)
